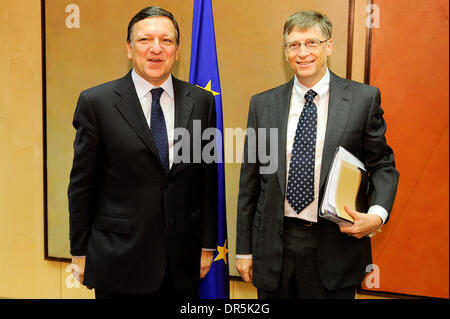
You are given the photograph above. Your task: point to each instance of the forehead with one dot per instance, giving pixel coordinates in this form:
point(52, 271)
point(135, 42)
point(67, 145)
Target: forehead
point(313, 32)
point(155, 26)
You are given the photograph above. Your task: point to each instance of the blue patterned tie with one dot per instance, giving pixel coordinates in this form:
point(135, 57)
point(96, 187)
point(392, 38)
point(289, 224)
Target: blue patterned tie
point(300, 190)
point(158, 129)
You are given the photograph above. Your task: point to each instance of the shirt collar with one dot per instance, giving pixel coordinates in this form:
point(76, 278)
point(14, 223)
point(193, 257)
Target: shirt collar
point(143, 86)
point(321, 88)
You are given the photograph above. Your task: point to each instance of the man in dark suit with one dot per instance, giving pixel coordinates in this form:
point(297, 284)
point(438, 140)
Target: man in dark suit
point(283, 247)
point(142, 222)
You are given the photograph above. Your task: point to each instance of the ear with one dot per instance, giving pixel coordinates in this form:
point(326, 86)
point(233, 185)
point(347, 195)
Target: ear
point(177, 56)
point(129, 50)
point(329, 47)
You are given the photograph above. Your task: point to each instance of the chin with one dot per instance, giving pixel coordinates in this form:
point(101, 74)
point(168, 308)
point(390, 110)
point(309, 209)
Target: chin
point(152, 75)
point(304, 74)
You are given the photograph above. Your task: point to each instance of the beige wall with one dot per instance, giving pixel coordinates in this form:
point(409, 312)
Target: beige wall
point(23, 271)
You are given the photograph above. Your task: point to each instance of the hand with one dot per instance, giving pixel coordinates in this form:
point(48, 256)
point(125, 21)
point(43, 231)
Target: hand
point(364, 225)
point(245, 268)
point(205, 262)
point(78, 270)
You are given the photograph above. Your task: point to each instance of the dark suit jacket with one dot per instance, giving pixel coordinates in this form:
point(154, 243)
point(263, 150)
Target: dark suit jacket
point(127, 217)
point(355, 122)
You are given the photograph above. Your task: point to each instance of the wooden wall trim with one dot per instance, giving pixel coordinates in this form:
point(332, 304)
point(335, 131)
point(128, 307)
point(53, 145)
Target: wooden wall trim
point(368, 53)
point(44, 125)
point(351, 27)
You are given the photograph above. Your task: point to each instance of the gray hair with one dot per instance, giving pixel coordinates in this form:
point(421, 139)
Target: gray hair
point(304, 20)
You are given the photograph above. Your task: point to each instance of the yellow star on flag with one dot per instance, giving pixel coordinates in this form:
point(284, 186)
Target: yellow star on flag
point(208, 88)
point(223, 251)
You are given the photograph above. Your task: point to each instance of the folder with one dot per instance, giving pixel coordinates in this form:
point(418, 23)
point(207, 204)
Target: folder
point(347, 184)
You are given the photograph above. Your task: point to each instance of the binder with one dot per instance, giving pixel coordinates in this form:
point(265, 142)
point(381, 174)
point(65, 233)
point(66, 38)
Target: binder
point(347, 184)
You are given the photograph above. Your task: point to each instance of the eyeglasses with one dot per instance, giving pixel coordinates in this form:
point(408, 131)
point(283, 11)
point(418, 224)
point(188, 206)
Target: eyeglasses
point(294, 46)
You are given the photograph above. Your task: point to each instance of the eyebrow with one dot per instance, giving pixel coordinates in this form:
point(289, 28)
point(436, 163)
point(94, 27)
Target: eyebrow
point(152, 35)
point(309, 39)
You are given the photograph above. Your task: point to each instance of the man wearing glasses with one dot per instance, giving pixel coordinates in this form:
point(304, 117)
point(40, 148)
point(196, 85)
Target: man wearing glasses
point(283, 247)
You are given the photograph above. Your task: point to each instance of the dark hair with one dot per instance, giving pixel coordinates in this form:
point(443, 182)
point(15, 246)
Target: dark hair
point(153, 12)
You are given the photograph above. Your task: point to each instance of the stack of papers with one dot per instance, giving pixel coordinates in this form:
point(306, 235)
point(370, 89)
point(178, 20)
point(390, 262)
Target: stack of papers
point(347, 184)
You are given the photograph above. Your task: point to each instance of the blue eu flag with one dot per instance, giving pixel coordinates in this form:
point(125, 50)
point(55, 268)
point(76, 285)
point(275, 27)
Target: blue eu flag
point(204, 72)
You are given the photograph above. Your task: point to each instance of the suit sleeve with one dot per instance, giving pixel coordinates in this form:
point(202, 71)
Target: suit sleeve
point(379, 157)
point(249, 187)
point(83, 178)
point(210, 187)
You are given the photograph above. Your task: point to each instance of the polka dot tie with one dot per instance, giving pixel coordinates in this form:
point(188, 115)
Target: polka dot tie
point(158, 129)
point(300, 190)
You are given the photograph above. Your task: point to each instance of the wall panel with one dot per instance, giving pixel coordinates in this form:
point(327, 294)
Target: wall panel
point(23, 271)
point(409, 63)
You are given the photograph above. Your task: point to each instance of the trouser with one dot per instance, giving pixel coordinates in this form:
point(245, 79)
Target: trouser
point(166, 291)
point(300, 278)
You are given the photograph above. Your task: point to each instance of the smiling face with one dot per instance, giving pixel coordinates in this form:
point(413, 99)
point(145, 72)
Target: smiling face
point(153, 49)
point(309, 64)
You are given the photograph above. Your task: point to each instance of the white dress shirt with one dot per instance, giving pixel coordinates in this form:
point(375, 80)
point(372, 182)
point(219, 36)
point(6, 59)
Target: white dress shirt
point(298, 101)
point(167, 102)
point(322, 88)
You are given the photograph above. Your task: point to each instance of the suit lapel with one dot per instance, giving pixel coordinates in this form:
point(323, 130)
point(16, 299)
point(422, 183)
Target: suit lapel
point(279, 114)
point(129, 106)
point(339, 105)
point(184, 106)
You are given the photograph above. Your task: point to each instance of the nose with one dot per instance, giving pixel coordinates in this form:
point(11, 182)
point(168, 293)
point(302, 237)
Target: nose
point(155, 47)
point(303, 51)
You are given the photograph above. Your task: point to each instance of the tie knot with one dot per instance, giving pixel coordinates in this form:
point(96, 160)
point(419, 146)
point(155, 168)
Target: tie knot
point(310, 95)
point(156, 93)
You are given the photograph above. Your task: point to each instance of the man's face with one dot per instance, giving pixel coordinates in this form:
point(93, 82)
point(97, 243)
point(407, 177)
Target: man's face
point(153, 49)
point(309, 64)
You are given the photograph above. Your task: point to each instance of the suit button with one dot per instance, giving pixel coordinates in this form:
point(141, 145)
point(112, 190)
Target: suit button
point(281, 233)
